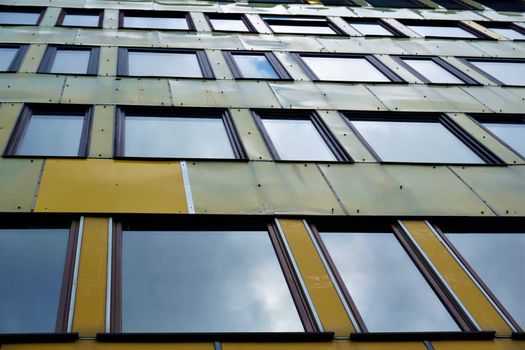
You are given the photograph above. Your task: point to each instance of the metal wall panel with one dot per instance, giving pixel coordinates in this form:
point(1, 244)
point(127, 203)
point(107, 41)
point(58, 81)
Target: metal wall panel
point(18, 182)
point(9, 113)
point(32, 58)
point(351, 96)
point(299, 95)
point(498, 99)
point(362, 45)
point(280, 43)
point(101, 142)
point(107, 64)
point(50, 17)
point(37, 35)
point(24, 87)
point(112, 37)
point(201, 40)
point(250, 136)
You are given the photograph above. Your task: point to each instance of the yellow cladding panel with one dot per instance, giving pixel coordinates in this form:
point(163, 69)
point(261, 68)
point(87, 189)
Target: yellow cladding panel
point(91, 289)
point(334, 345)
point(324, 296)
point(497, 344)
point(111, 186)
point(469, 294)
point(93, 345)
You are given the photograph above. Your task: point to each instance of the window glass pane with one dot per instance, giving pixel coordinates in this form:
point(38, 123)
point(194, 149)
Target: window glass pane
point(442, 31)
point(31, 268)
point(499, 260)
point(433, 71)
point(7, 54)
point(236, 25)
point(255, 66)
point(297, 139)
point(168, 64)
point(301, 29)
point(155, 22)
point(147, 136)
point(509, 73)
point(52, 135)
point(371, 28)
point(344, 69)
point(511, 134)
point(12, 17)
point(424, 142)
point(509, 33)
point(71, 61)
point(204, 281)
point(80, 20)
point(386, 286)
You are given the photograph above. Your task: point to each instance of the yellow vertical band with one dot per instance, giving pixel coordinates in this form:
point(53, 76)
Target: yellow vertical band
point(90, 303)
point(470, 295)
point(323, 293)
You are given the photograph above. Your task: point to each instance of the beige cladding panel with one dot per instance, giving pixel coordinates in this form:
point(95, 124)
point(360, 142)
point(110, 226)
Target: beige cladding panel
point(31, 88)
point(9, 113)
point(18, 182)
point(112, 37)
point(32, 58)
point(101, 140)
point(498, 99)
point(299, 95)
point(250, 136)
point(38, 35)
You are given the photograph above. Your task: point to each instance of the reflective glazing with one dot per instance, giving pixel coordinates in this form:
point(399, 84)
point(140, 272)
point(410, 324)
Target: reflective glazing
point(344, 69)
point(71, 62)
point(7, 54)
point(255, 66)
point(166, 64)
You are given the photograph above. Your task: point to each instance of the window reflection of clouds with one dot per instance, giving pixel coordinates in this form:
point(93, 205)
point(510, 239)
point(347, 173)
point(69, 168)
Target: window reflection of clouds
point(255, 66)
point(511, 134)
point(81, 20)
point(155, 22)
point(344, 69)
point(389, 291)
point(7, 54)
point(214, 281)
point(229, 25)
point(29, 18)
point(442, 31)
point(71, 62)
point(301, 29)
point(371, 29)
point(510, 73)
point(433, 71)
point(170, 64)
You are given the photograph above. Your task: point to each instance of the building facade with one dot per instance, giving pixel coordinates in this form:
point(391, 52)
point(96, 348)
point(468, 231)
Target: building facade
point(202, 175)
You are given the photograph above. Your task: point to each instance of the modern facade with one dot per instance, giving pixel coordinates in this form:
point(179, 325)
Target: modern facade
point(281, 175)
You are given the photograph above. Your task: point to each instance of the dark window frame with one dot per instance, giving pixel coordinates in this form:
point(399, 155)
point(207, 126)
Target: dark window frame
point(381, 22)
point(463, 6)
point(445, 23)
point(329, 139)
point(50, 54)
point(503, 10)
point(467, 62)
point(305, 22)
point(467, 80)
point(201, 223)
point(200, 54)
point(169, 112)
point(441, 226)
point(277, 2)
point(229, 16)
point(156, 14)
point(339, 3)
point(417, 5)
point(16, 63)
point(24, 9)
point(29, 110)
point(80, 11)
point(279, 69)
point(376, 63)
point(487, 156)
point(504, 25)
point(15, 222)
point(416, 256)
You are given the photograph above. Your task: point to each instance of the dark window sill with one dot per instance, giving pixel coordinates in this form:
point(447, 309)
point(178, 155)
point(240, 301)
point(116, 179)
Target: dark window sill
point(518, 335)
point(421, 336)
point(38, 338)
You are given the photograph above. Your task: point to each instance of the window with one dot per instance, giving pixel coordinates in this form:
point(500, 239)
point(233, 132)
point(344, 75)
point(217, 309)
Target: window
point(504, 71)
point(80, 18)
point(453, 4)
point(255, 65)
point(418, 139)
point(164, 63)
point(177, 133)
point(195, 277)
point(11, 57)
point(442, 29)
point(434, 70)
point(51, 130)
point(397, 3)
point(493, 254)
point(70, 60)
point(156, 20)
point(229, 22)
point(510, 130)
point(301, 25)
point(387, 286)
point(345, 67)
point(508, 30)
point(298, 136)
point(372, 27)
point(36, 264)
point(338, 3)
point(504, 5)
point(30, 16)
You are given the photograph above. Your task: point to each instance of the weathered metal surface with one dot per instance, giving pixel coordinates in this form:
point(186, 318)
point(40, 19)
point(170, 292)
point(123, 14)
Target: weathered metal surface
point(32, 58)
point(9, 113)
point(101, 141)
point(498, 99)
point(18, 183)
point(23, 87)
point(250, 136)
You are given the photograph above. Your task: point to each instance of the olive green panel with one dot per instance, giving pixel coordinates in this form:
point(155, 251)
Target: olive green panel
point(498, 99)
point(400, 70)
point(9, 113)
point(291, 66)
point(496, 344)
point(425, 98)
point(385, 13)
point(485, 138)
point(280, 43)
point(108, 90)
point(50, 3)
point(50, 17)
point(200, 40)
point(260, 188)
point(18, 182)
point(450, 15)
point(344, 26)
point(254, 94)
point(101, 143)
point(194, 93)
point(32, 58)
point(474, 74)
point(389, 189)
point(250, 136)
point(111, 19)
point(121, 4)
point(362, 45)
point(39, 35)
point(107, 64)
point(499, 48)
point(260, 26)
point(218, 64)
point(503, 189)
point(24, 87)
point(200, 23)
point(299, 95)
point(350, 96)
point(420, 46)
point(113, 37)
point(484, 30)
point(346, 137)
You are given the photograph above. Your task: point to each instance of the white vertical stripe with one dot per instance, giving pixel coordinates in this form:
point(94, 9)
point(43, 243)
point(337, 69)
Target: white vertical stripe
point(108, 274)
point(187, 187)
point(75, 276)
